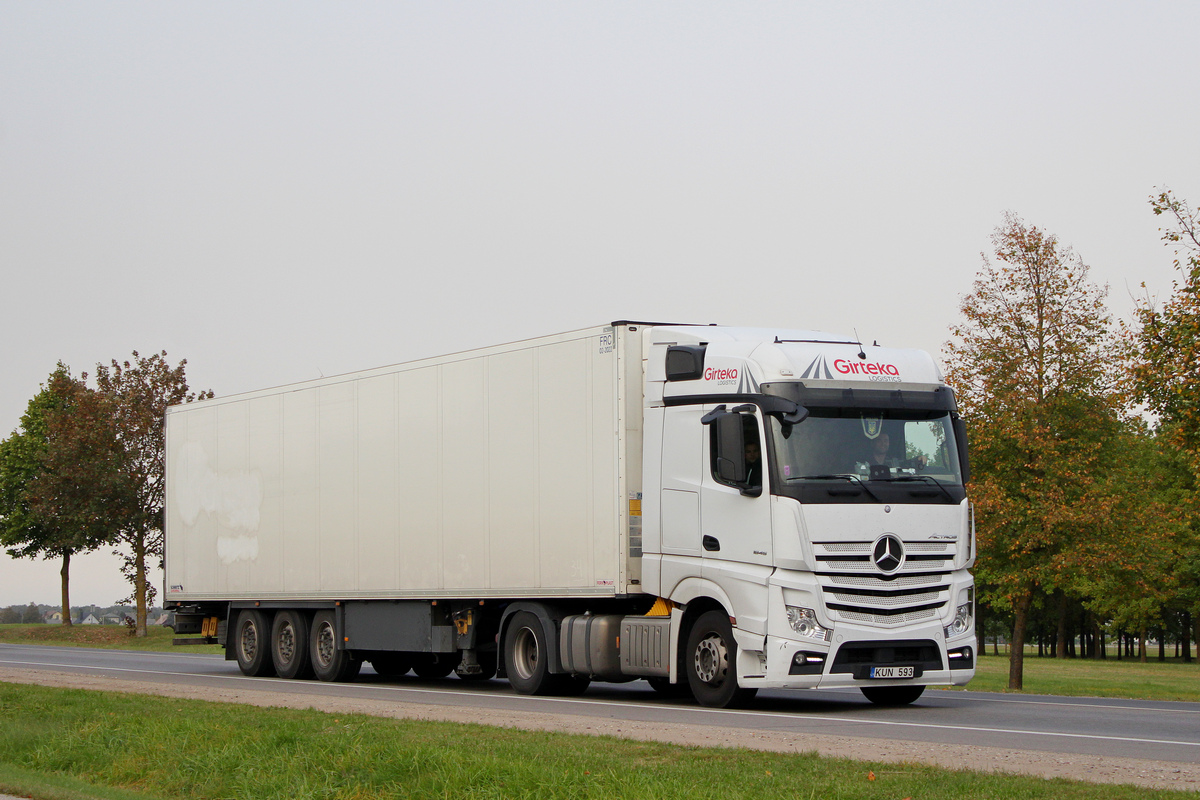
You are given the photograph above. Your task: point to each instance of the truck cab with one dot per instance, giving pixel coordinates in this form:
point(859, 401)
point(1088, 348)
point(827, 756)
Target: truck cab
point(842, 558)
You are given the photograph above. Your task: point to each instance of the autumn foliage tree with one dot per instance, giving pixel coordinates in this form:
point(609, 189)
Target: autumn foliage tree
point(1033, 363)
point(62, 477)
point(139, 392)
point(1166, 349)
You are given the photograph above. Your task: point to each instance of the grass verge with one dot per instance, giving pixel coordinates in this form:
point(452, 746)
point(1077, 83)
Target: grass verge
point(1168, 680)
point(113, 637)
point(59, 743)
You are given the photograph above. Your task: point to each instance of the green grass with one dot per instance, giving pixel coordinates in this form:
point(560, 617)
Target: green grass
point(59, 743)
point(1169, 680)
point(115, 637)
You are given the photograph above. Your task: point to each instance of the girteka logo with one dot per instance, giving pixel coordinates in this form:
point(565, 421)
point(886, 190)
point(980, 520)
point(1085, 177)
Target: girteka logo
point(732, 377)
point(723, 375)
point(873, 370)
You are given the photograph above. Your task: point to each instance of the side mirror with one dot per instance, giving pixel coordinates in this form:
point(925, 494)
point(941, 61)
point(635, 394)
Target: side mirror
point(729, 448)
point(960, 439)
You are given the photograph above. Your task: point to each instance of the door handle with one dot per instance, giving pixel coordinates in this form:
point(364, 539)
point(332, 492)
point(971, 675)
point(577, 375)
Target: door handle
point(711, 543)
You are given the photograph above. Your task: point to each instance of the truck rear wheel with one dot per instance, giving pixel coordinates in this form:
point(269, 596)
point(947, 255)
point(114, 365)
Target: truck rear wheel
point(711, 663)
point(525, 654)
point(329, 663)
point(892, 695)
point(289, 645)
point(252, 644)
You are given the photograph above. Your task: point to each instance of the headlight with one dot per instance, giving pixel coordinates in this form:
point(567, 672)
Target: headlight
point(961, 623)
point(804, 622)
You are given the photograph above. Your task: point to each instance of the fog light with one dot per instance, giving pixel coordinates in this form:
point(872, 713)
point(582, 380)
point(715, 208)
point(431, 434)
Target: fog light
point(804, 663)
point(804, 622)
point(962, 621)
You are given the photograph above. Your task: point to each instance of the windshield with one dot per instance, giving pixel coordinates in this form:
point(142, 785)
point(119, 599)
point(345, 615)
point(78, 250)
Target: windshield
point(879, 450)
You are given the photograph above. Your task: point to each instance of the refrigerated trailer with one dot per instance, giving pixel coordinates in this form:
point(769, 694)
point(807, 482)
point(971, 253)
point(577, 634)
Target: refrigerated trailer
point(712, 509)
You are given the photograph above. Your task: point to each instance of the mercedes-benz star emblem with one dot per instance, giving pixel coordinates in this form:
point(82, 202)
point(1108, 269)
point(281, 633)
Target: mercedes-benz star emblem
point(888, 553)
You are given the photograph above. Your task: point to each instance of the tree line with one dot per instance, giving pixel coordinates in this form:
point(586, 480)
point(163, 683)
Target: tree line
point(1085, 445)
point(85, 469)
point(1084, 431)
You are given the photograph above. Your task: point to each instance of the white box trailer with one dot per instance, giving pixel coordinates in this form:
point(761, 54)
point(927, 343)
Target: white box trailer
point(585, 506)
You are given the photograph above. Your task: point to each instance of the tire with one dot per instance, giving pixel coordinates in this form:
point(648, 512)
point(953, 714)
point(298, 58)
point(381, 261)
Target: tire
point(892, 695)
point(252, 644)
point(435, 665)
point(392, 665)
point(525, 655)
point(289, 645)
point(711, 663)
point(328, 662)
point(664, 687)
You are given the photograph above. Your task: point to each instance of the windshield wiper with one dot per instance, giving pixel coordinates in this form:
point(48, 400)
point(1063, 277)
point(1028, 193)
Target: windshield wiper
point(922, 479)
point(844, 476)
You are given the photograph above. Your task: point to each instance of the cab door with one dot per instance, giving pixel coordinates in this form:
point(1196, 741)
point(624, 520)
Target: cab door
point(735, 520)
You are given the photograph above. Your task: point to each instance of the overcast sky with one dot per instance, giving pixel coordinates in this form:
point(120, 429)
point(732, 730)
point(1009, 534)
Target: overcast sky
point(279, 191)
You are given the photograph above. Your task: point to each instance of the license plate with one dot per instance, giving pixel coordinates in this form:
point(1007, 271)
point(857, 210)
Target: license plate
point(891, 672)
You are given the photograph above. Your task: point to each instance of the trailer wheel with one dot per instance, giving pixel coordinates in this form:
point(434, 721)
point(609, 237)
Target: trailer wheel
point(392, 665)
point(329, 663)
point(525, 654)
point(252, 644)
point(435, 665)
point(892, 695)
point(711, 659)
point(289, 645)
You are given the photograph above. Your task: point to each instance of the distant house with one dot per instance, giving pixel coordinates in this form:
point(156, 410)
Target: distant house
point(54, 617)
point(90, 619)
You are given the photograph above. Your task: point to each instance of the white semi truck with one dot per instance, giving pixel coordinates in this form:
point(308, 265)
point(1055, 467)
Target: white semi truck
point(713, 509)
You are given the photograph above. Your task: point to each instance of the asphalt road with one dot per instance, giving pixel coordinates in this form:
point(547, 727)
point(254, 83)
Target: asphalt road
point(1139, 729)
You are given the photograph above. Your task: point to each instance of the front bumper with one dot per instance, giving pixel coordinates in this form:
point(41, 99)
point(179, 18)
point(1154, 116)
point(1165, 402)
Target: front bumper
point(855, 649)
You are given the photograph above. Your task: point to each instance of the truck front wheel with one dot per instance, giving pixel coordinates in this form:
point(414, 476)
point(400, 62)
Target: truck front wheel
point(252, 644)
point(330, 663)
point(711, 663)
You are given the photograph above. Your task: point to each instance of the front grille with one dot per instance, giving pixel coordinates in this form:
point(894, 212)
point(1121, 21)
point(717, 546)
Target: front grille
point(856, 591)
point(902, 600)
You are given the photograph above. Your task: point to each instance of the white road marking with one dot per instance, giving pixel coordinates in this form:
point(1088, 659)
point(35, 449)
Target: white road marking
point(577, 702)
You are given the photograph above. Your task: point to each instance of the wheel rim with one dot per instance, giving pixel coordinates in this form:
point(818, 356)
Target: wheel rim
point(248, 641)
point(712, 660)
point(525, 653)
point(325, 644)
point(287, 642)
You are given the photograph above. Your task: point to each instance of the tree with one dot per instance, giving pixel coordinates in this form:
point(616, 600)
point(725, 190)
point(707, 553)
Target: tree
point(60, 476)
point(1167, 340)
point(140, 392)
point(1165, 346)
point(1033, 364)
point(31, 614)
